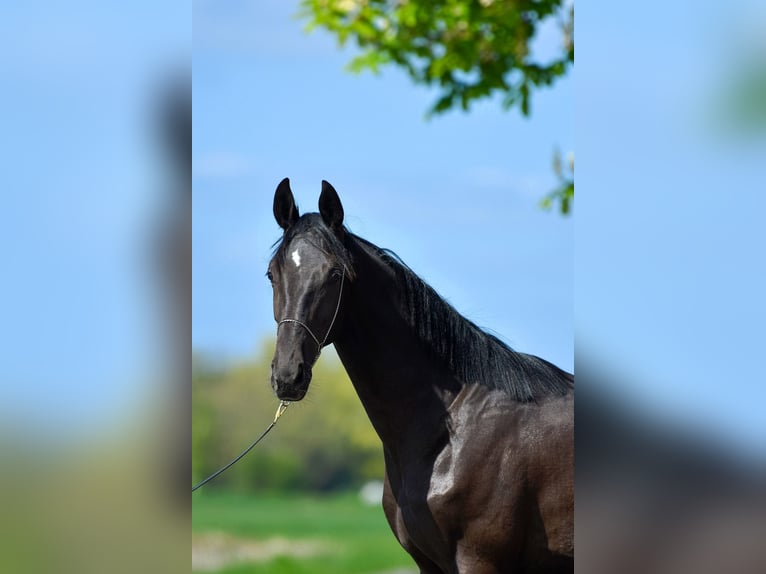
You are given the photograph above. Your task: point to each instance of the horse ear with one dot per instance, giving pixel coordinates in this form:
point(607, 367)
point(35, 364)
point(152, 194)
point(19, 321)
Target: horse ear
point(285, 210)
point(330, 206)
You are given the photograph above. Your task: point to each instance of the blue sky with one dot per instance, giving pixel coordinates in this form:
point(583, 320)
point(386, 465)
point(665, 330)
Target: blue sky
point(456, 197)
point(670, 276)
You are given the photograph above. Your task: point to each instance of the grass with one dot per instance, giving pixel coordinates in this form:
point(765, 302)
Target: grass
point(357, 537)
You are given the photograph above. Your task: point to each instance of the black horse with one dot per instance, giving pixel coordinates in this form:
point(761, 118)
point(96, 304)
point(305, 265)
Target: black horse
point(477, 438)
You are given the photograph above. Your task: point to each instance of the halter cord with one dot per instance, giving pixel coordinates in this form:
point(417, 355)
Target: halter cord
point(319, 343)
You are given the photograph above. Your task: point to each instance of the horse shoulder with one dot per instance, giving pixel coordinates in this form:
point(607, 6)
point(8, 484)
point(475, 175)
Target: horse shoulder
point(473, 484)
point(511, 473)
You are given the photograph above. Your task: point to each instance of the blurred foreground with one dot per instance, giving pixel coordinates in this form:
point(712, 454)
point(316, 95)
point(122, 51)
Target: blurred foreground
point(299, 534)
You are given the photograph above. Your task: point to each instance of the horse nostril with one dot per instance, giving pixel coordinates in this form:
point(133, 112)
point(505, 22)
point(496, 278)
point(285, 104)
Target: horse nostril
point(299, 373)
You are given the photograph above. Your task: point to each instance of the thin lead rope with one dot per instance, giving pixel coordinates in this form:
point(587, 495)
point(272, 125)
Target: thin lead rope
point(321, 343)
point(280, 409)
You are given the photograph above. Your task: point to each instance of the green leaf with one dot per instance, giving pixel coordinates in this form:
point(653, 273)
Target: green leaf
point(447, 41)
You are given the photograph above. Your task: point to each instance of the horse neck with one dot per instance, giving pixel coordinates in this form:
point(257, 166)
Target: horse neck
point(404, 391)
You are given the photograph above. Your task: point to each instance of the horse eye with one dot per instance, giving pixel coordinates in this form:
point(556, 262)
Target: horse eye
point(270, 276)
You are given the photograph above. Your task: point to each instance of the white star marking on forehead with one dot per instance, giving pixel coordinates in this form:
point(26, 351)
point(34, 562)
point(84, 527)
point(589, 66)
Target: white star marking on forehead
point(296, 258)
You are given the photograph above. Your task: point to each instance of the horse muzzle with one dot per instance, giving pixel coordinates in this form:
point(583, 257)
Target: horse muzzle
point(290, 382)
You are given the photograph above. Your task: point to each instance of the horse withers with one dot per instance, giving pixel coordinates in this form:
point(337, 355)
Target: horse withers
point(477, 438)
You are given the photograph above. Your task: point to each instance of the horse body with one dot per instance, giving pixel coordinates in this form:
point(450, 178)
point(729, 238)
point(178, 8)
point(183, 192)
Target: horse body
point(485, 512)
point(477, 438)
point(468, 487)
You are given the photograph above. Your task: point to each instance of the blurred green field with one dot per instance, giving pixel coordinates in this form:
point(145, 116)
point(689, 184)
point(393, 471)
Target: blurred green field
point(301, 534)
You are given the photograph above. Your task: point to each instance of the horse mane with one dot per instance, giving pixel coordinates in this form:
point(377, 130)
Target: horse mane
point(472, 354)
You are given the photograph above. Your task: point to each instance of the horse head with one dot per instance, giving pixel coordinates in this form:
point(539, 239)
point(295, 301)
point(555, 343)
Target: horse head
point(308, 273)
